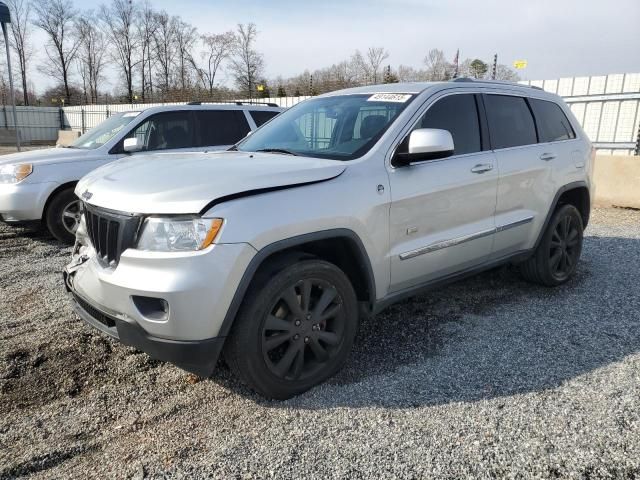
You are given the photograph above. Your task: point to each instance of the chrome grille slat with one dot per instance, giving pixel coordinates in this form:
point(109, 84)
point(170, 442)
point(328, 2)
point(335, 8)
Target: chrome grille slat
point(110, 233)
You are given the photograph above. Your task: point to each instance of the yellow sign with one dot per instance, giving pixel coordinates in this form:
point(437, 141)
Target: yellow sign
point(260, 88)
point(520, 64)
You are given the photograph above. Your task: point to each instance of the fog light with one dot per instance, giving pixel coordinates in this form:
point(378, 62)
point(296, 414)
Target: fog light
point(155, 309)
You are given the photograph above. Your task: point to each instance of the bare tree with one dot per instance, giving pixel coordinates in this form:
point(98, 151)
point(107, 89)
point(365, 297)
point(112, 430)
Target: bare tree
point(145, 28)
point(375, 57)
point(217, 48)
point(56, 18)
point(185, 37)
point(503, 72)
point(91, 55)
point(118, 20)
point(409, 74)
point(247, 63)
point(437, 65)
point(164, 47)
point(21, 31)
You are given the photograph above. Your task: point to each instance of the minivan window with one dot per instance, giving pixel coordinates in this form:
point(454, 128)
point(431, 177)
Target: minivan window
point(164, 131)
point(510, 121)
point(262, 116)
point(101, 134)
point(459, 115)
point(338, 127)
point(221, 127)
point(553, 124)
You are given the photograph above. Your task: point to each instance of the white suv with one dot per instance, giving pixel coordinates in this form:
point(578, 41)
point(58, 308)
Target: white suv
point(336, 208)
point(38, 185)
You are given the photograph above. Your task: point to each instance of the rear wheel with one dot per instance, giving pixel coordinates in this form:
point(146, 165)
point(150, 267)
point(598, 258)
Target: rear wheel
point(556, 258)
point(295, 330)
point(63, 216)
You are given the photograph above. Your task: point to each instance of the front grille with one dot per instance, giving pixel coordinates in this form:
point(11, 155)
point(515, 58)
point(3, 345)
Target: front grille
point(104, 319)
point(111, 233)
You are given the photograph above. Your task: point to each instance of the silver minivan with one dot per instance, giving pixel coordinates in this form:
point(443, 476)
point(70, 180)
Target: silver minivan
point(38, 185)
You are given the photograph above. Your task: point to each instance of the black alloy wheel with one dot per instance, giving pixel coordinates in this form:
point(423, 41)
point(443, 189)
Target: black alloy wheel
point(295, 327)
point(303, 329)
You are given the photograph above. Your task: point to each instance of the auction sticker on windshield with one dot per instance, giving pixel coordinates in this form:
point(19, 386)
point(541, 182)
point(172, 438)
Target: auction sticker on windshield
point(389, 97)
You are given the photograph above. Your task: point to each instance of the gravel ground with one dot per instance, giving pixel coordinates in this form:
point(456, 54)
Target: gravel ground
point(489, 377)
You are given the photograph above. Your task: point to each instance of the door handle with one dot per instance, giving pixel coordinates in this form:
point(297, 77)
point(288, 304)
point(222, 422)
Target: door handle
point(482, 167)
point(547, 156)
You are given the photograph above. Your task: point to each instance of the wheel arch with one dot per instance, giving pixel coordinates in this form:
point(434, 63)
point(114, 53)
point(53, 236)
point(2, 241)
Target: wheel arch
point(575, 193)
point(342, 247)
point(58, 189)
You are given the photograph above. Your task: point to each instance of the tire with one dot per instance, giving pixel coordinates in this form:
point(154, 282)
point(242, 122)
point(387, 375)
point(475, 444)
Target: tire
point(556, 258)
point(63, 216)
point(294, 329)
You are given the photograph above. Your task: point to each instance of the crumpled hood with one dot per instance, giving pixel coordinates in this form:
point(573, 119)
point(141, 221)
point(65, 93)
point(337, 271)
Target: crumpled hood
point(47, 155)
point(184, 183)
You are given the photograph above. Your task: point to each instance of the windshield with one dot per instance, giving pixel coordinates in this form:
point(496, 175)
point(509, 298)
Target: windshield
point(101, 134)
point(338, 127)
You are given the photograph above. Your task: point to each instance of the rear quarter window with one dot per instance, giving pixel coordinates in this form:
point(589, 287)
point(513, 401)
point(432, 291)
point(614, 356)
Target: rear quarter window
point(262, 116)
point(510, 121)
point(553, 124)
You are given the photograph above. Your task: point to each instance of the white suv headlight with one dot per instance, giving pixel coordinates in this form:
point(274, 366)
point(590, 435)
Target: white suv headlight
point(14, 173)
point(178, 234)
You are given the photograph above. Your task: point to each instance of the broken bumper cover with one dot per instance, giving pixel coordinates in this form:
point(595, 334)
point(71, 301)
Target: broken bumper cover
point(195, 356)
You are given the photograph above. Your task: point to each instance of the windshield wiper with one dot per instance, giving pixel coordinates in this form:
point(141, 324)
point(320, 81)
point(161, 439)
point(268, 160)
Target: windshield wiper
point(277, 150)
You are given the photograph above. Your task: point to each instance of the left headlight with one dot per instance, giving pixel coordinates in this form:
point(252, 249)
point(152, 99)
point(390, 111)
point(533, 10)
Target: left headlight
point(14, 173)
point(178, 234)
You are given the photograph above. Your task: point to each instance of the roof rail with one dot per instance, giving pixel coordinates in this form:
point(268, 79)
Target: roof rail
point(236, 102)
point(499, 82)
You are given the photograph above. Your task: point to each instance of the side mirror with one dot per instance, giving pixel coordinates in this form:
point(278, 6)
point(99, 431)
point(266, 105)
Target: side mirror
point(131, 145)
point(424, 144)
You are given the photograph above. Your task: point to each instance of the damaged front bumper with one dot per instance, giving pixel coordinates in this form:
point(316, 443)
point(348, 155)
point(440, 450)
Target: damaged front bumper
point(195, 356)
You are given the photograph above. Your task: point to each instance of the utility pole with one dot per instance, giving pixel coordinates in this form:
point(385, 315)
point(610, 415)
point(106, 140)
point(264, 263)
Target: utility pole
point(495, 67)
point(5, 17)
point(637, 152)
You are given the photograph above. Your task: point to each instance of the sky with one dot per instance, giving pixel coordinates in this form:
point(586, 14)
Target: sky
point(558, 38)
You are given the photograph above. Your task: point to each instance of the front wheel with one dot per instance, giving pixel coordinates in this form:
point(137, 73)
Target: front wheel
point(556, 258)
point(295, 330)
point(63, 216)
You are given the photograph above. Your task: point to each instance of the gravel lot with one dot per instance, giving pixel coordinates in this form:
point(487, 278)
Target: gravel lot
point(490, 377)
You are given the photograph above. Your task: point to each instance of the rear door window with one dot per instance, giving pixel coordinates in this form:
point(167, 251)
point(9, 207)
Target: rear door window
point(262, 116)
point(221, 127)
point(459, 115)
point(510, 121)
point(553, 124)
point(165, 131)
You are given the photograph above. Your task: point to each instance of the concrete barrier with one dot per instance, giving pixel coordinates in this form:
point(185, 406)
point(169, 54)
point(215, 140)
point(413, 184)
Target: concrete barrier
point(617, 180)
point(66, 137)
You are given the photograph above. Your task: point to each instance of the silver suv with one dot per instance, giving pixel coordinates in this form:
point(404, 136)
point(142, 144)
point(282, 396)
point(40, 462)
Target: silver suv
point(347, 202)
point(38, 186)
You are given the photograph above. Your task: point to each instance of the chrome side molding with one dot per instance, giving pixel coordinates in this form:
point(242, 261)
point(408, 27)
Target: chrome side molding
point(466, 238)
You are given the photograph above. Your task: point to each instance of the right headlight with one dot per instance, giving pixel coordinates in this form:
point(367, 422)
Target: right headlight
point(178, 234)
point(14, 173)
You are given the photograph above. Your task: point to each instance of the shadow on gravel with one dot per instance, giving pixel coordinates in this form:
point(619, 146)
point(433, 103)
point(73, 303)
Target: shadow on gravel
point(491, 335)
